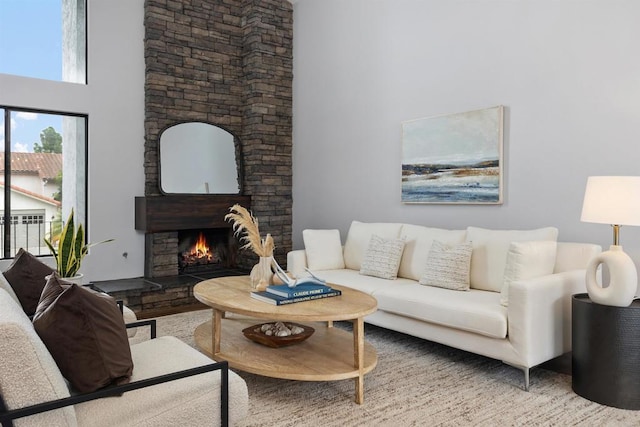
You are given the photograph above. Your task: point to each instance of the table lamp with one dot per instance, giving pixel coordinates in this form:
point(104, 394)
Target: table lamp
point(612, 200)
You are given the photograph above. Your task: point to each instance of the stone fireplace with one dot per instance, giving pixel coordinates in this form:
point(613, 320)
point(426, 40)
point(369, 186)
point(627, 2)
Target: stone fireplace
point(167, 218)
point(227, 63)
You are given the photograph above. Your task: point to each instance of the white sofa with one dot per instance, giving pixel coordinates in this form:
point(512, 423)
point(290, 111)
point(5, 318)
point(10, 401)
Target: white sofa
point(531, 325)
point(29, 376)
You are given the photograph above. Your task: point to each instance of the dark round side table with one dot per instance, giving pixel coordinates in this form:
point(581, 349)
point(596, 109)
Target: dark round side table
point(606, 352)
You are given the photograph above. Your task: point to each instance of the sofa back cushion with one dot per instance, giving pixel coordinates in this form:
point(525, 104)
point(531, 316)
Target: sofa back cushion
point(490, 248)
point(418, 241)
point(29, 373)
point(574, 256)
point(358, 240)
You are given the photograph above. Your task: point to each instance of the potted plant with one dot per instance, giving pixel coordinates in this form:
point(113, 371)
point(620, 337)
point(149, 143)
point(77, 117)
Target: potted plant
point(71, 250)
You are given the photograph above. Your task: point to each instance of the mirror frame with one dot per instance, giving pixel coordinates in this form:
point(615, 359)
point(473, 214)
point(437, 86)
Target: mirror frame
point(237, 150)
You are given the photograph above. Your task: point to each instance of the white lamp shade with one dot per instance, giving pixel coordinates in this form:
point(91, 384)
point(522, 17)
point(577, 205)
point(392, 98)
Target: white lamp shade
point(612, 200)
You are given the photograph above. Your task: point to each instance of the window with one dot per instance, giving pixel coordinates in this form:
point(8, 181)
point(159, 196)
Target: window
point(42, 152)
point(45, 39)
point(12, 218)
point(33, 219)
point(42, 176)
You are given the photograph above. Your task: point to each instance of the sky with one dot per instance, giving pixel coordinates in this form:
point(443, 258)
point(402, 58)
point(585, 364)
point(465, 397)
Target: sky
point(464, 138)
point(31, 46)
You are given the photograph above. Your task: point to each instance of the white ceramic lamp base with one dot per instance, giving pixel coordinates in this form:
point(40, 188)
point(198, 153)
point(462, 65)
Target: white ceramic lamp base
point(623, 282)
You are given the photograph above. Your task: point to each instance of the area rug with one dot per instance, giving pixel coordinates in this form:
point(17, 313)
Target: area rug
point(416, 383)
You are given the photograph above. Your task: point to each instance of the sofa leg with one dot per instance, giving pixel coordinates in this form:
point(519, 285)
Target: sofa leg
point(524, 370)
point(526, 378)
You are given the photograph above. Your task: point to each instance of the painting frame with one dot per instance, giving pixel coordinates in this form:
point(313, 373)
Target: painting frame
point(454, 158)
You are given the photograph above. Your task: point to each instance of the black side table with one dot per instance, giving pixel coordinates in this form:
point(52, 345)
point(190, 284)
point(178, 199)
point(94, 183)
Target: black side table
point(606, 352)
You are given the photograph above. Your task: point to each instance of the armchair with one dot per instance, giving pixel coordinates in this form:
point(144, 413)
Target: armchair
point(172, 383)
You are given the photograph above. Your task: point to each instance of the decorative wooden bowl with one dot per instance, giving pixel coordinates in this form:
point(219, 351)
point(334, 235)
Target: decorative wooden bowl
point(254, 333)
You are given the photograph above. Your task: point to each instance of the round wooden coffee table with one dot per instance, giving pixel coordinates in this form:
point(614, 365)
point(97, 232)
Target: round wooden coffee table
point(329, 354)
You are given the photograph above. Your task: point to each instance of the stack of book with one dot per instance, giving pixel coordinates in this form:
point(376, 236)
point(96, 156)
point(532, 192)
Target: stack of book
point(283, 294)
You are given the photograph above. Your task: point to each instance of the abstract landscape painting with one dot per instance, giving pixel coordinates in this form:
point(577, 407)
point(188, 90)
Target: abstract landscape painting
point(456, 158)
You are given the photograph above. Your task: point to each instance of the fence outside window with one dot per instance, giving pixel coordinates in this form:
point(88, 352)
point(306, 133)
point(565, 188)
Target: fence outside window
point(29, 233)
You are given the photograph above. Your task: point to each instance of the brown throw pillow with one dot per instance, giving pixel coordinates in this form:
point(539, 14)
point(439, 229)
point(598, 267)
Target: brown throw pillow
point(27, 277)
point(85, 333)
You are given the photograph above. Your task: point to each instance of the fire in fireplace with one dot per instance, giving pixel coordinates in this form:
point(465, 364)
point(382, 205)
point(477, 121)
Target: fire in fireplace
point(204, 250)
point(199, 253)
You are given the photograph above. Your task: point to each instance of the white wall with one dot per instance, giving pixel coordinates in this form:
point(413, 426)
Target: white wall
point(567, 72)
point(114, 101)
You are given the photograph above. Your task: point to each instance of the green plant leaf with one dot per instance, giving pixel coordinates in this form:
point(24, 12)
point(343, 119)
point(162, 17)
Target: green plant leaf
point(52, 249)
point(71, 248)
point(65, 247)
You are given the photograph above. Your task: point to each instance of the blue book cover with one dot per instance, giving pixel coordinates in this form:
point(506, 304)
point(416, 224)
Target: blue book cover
point(278, 300)
point(300, 290)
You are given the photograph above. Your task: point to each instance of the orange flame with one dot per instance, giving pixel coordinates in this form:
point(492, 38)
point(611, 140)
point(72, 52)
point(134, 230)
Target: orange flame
point(201, 249)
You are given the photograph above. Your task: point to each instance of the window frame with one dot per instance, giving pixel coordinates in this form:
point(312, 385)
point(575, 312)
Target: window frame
point(7, 222)
point(84, 51)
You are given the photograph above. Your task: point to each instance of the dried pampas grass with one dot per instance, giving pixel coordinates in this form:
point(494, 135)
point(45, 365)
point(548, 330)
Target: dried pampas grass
point(244, 222)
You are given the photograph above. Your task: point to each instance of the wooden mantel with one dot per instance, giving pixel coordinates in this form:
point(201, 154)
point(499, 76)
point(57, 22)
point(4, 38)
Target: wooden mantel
point(184, 212)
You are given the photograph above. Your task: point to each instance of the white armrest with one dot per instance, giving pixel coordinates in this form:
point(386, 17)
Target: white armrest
point(296, 262)
point(539, 315)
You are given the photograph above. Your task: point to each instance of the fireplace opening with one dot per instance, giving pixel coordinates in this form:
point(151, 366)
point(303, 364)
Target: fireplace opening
point(205, 250)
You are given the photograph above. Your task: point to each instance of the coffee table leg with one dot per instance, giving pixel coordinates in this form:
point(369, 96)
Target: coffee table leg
point(216, 325)
point(358, 357)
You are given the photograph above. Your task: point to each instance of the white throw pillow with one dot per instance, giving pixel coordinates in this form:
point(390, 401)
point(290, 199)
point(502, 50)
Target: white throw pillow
point(323, 249)
point(418, 243)
point(382, 258)
point(448, 266)
point(359, 236)
point(527, 260)
point(490, 247)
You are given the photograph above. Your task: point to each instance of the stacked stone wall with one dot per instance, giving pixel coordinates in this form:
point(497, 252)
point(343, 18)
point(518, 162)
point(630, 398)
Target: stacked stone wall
point(228, 63)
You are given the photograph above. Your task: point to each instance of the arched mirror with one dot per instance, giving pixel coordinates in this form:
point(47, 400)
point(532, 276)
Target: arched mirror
point(198, 158)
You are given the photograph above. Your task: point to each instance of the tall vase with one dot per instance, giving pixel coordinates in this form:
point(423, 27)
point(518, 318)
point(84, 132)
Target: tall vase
point(261, 274)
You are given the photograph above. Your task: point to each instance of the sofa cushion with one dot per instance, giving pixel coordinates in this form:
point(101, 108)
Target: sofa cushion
point(527, 260)
point(27, 276)
point(474, 311)
point(354, 280)
point(382, 257)
point(193, 401)
point(323, 249)
point(84, 332)
point(490, 247)
point(448, 266)
point(358, 240)
point(418, 243)
point(29, 373)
